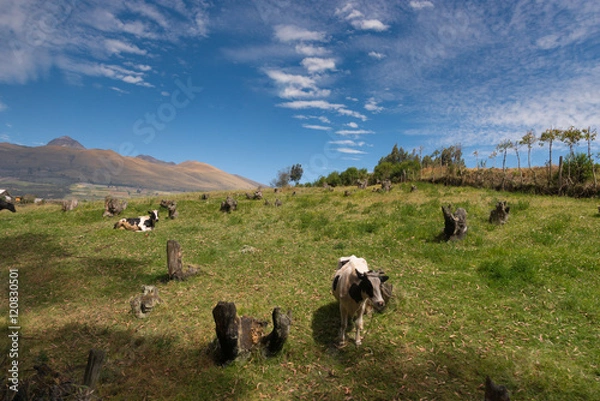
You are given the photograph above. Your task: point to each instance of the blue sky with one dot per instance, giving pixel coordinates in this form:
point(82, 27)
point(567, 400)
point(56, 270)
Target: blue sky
point(252, 87)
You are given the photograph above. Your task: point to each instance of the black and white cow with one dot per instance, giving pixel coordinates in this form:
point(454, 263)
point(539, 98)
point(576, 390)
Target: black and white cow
point(141, 223)
point(353, 285)
point(7, 205)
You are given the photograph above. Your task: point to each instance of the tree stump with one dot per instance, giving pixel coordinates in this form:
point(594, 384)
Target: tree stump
point(455, 224)
point(93, 367)
point(281, 329)
point(143, 304)
point(113, 207)
point(500, 214)
point(239, 335)
point(494, 392)
point(174, 263)
point(68, 205)
point(228, 205)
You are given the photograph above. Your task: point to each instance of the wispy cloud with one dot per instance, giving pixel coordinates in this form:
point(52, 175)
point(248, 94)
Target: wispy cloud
point(317, 65)
point(293, 86)
point(351, 151)
point(372, 106)
point(354, 132)
point(322, 105)
point(419, 5)
point(358, 20)
point(317, 127)
point(376, 55)
point(290, 33)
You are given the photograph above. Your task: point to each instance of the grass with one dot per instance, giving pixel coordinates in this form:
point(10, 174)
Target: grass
point(515, 302)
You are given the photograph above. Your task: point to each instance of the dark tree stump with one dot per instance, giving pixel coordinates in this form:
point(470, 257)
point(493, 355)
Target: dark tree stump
point(500, 214)
point(239, 335)
point(174, 263)
point(494, 392)
point(455, 224)
point(228, 330)
point(94, 365)
point(281, 329)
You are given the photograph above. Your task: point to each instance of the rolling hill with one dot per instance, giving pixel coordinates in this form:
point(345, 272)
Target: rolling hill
point(49, 171)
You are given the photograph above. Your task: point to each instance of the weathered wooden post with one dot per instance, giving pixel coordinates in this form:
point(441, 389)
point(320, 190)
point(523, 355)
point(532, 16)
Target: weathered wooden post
point(94, 365)
point(174, 263)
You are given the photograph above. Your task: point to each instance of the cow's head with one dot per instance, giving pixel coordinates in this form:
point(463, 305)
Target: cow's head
point(370, 287)
point(153, 214)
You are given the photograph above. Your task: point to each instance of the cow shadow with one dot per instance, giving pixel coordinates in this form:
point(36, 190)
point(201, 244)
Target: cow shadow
point(326, 323)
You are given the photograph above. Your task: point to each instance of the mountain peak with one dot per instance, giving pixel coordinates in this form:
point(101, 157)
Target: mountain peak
point(66, 142)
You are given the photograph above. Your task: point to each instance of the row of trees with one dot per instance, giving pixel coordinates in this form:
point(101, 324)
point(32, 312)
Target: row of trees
point(579, 167)
point(401, 165)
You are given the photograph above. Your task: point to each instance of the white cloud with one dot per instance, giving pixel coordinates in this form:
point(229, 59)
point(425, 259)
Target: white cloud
point(354, 132)
point(322, 105)
point(165, 93)
point(315, 64)
point(290, 33)
point(311, 104)
point(119, 90)
point(347, 142)
point(310, 50)
point(296, 86)
point(372, 106)
point(351, 113)
point(419, 5)
point(117, 47)
point(369, 25)
point(352, 125)
point(376, 55)
point(317, 127)
point(351, 151)
point(359, 21)
point(2, 106)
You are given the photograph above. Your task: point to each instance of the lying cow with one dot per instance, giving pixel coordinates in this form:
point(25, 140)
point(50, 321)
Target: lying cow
point(353, 285)
point(141, 223)
point(7, 205)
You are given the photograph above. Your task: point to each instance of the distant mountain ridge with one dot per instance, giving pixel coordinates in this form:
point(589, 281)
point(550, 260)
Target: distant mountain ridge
point(66, 142)
point(64, 162)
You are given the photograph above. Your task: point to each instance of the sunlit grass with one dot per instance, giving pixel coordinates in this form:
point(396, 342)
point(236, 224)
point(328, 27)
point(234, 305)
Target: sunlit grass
point(516, 302)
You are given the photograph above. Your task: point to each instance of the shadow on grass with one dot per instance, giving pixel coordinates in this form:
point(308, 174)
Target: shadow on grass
point(50, 273)
point(326, 324)
point(138, 366)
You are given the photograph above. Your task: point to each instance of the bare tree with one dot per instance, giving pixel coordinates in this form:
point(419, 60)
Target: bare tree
point(549, 136)
point(529, 139)
point(571, 138)
point(503, 147)
point(590, 135)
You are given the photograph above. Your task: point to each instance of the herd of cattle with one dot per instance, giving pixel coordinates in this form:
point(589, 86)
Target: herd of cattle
point(354, 286)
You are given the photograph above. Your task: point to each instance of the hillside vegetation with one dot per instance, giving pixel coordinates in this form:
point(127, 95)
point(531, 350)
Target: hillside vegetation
point(516, 302)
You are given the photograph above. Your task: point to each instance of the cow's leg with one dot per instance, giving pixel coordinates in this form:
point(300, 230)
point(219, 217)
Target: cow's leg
point(343, 325)
point(359, 323)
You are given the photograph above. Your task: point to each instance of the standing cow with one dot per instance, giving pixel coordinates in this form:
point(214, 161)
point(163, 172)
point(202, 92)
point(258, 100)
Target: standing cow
point(353, 285)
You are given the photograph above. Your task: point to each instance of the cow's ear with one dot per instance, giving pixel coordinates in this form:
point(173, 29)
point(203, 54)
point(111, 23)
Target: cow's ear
point(359, 274)
point(383, 279)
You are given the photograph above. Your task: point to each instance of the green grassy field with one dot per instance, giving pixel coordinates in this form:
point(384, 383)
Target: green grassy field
point(517, 302)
